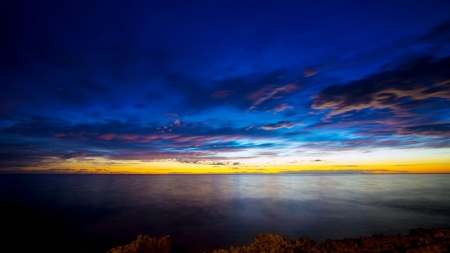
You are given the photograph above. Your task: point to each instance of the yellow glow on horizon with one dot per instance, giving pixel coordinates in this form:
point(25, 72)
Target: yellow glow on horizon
point(377, 161)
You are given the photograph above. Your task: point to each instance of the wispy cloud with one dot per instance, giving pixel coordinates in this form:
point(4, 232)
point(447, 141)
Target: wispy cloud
point(421, 80)
point(281, 124)
point(73, 155)
point(442, 129)
point(269, 91)
point(283, 107)
point(310, 72)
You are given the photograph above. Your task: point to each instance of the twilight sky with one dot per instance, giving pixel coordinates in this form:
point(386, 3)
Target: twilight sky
point(226, 86)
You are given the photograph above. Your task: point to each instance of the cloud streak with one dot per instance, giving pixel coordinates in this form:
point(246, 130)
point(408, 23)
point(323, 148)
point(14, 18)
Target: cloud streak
point(283, 107)
point(279, 125)
point(421, 80)
point(268, 92)
point(210, 91)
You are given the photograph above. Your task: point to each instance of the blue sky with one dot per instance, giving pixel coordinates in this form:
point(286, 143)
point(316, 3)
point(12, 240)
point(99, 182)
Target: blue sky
point(224, 83)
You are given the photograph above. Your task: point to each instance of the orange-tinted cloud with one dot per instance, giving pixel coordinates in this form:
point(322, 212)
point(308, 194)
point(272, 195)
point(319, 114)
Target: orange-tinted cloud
point(422, 80)
point(282, 107)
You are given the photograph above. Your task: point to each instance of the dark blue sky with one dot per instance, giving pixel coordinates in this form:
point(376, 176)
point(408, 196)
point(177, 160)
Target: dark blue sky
point(224, 83)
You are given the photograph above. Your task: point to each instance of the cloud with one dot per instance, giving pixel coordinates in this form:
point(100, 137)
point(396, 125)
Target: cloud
point(268, 92)
point(22, 158)
point(177, 122)
point(421, 80)
point(309, 72)
point(61, 170)
point(240, 92)
point(117, 140)
point(440, 32)
point(427, 130)
point(73, 155)
point(282, 107)
point(281, 124)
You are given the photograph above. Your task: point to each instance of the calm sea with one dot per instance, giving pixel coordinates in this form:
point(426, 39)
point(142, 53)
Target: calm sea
point(93, 213)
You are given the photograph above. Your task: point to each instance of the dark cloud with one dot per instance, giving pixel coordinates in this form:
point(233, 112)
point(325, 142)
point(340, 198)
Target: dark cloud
point(77, 81)
point(114, 140)
point(423, 79)
point(24, 156)
point(310, 72)
point(427, 130)
point(62, 170)
point(73, 155)
point(439, 33)
point(425, 104)
point(281, 124)
point(246, 92)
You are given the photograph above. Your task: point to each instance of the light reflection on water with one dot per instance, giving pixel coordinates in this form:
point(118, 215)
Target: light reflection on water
point(202, 212)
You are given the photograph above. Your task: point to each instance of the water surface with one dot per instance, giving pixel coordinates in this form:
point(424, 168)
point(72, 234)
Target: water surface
point(92, 213)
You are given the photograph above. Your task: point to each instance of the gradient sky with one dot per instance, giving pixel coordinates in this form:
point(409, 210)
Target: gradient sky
point(225, 86)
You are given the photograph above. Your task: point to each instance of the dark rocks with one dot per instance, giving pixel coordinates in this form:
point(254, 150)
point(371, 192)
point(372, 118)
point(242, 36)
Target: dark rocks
point(419, 240)
point(145, 244)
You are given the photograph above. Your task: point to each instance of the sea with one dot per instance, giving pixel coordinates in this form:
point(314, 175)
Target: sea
point(93, 213)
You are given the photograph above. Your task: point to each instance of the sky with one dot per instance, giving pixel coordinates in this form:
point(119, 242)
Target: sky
point(212, 86)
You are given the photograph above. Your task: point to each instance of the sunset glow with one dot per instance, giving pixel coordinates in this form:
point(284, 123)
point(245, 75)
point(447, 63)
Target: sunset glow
point(225, 87)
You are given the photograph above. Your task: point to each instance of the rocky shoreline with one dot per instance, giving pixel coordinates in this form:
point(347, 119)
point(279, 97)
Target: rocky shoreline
point(417, 241)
